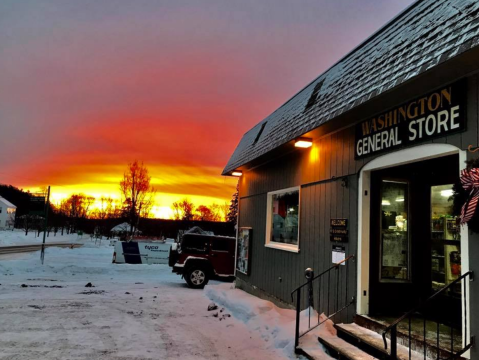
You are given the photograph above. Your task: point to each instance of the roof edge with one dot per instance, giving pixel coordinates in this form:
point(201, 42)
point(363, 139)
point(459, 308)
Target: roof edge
point(359, 46)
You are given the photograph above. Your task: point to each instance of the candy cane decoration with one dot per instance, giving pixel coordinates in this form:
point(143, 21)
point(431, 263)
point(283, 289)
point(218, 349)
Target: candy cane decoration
point(470, 182)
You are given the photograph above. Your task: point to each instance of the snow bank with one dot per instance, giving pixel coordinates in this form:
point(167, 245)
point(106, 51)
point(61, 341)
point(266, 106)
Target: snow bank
point(17, 237)
point(273, 324)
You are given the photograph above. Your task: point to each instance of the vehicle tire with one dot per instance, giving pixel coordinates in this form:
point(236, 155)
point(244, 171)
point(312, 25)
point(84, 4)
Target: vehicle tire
point(197, 277)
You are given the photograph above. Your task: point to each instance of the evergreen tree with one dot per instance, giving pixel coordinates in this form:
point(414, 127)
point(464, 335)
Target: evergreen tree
point(233, 210)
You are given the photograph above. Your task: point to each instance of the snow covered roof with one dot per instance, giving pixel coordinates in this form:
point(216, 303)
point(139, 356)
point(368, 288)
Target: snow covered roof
point(121, 227)
point(198, 230)
point(7, 203)
point(426, 34)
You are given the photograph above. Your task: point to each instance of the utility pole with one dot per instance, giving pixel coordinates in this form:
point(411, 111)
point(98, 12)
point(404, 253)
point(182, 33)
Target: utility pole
point(47, 207)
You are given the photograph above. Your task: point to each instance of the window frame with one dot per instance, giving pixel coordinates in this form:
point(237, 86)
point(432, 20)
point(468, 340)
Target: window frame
point(269, 210)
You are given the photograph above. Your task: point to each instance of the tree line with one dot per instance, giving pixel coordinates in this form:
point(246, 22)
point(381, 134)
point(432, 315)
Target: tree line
point(135, 203)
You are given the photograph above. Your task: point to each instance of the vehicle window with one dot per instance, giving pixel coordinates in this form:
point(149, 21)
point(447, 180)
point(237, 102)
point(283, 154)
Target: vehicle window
point(220, 245)
point(195, 245)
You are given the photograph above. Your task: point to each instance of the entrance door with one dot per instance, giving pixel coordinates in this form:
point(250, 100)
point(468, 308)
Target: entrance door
point(403, 249)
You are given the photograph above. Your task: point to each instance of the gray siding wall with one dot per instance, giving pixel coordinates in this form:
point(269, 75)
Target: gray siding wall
point(318, 171)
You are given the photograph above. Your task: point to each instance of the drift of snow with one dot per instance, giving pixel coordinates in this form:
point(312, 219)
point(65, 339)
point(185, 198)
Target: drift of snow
point(273, 324)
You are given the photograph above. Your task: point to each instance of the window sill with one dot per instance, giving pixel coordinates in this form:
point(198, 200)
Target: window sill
point(285, 247)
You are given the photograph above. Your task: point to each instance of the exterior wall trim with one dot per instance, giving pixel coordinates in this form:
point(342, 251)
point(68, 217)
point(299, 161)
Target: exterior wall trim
point(401, 157)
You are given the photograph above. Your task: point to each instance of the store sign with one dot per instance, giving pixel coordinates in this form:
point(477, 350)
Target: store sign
point(338, 230)
point(440, 113)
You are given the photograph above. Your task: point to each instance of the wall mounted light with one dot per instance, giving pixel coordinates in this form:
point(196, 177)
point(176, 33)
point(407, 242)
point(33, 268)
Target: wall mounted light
point(303, 142)
point(237, 173)
point(447, 193)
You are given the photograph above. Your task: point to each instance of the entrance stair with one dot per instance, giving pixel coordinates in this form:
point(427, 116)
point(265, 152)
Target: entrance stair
point(412, 336)
point(362, 340)
point(372, 342)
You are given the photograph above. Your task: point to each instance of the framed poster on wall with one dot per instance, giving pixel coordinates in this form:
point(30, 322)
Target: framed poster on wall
point(243, 250)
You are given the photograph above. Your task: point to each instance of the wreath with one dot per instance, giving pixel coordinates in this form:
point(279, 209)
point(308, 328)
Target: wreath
point(466, 196)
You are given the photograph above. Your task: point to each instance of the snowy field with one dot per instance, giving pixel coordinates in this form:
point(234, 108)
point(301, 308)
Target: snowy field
point(17, 237)
point(130, 312)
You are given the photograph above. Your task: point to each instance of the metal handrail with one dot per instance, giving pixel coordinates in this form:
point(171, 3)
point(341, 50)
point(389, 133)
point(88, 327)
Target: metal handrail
point(336, 308)
point(393, 327)
point(409, 313)
point(324, 272)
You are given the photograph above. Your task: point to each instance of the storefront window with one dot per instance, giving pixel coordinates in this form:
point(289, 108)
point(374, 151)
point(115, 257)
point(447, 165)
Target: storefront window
point(445, 238)
point(394, 231)
point(283, 219)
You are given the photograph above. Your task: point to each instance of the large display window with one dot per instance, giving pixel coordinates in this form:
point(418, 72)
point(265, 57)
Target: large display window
point(282, 231)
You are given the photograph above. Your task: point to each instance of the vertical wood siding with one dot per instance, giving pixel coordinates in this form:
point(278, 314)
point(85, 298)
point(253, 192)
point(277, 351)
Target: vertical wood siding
point(318, 171)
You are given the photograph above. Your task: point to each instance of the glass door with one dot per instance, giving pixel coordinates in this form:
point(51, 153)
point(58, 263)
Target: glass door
point(395, 240)
point(445, 241)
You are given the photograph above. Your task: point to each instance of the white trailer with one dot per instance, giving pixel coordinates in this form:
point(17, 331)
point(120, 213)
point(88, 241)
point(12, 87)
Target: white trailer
point(142, 252)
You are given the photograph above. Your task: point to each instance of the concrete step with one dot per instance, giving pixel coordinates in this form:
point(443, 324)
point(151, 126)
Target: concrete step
point(417, 338)
point(372, 343)
point(341, 349)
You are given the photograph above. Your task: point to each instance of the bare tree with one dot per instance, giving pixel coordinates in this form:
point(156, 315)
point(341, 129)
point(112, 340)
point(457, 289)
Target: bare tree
point(138, 195)
point(77, 206)
point(204, 213)
point(220, 211)
point(183, 210)
point(176, 210)
point(107, 208)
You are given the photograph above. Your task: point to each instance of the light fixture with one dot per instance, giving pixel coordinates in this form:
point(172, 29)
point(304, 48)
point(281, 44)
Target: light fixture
point(385, 202)
point(237, 173)
point(447, 193)
point(399, 199)
point(303, 142)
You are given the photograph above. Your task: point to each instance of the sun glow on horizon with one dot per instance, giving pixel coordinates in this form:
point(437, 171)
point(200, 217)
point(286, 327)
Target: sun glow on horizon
point(162, 208)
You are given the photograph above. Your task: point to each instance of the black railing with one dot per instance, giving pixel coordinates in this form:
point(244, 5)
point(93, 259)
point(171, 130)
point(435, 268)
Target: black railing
point(331, 295)
point(438, 344)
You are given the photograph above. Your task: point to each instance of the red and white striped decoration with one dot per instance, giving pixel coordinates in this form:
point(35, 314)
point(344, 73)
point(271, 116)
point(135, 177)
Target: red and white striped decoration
point(470, 182)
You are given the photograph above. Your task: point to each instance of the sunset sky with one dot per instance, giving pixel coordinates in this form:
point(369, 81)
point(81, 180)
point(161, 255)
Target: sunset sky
point(88, 86)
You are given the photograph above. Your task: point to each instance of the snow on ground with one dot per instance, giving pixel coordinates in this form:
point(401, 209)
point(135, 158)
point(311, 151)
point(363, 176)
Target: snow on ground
point(273, 324)
point(17, 237)
point(131, 312)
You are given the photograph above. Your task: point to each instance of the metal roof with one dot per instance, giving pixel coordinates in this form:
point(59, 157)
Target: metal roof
point(424, 35)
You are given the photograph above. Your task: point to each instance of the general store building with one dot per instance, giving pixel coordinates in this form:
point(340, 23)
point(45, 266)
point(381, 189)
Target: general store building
point(359, 167)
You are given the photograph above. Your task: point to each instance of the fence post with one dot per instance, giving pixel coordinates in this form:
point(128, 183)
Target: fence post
point(394, 345)
point(309, 274)
point(298, 310)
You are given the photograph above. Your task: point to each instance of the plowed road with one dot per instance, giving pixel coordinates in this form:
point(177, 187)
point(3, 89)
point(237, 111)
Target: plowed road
point(35, 247)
